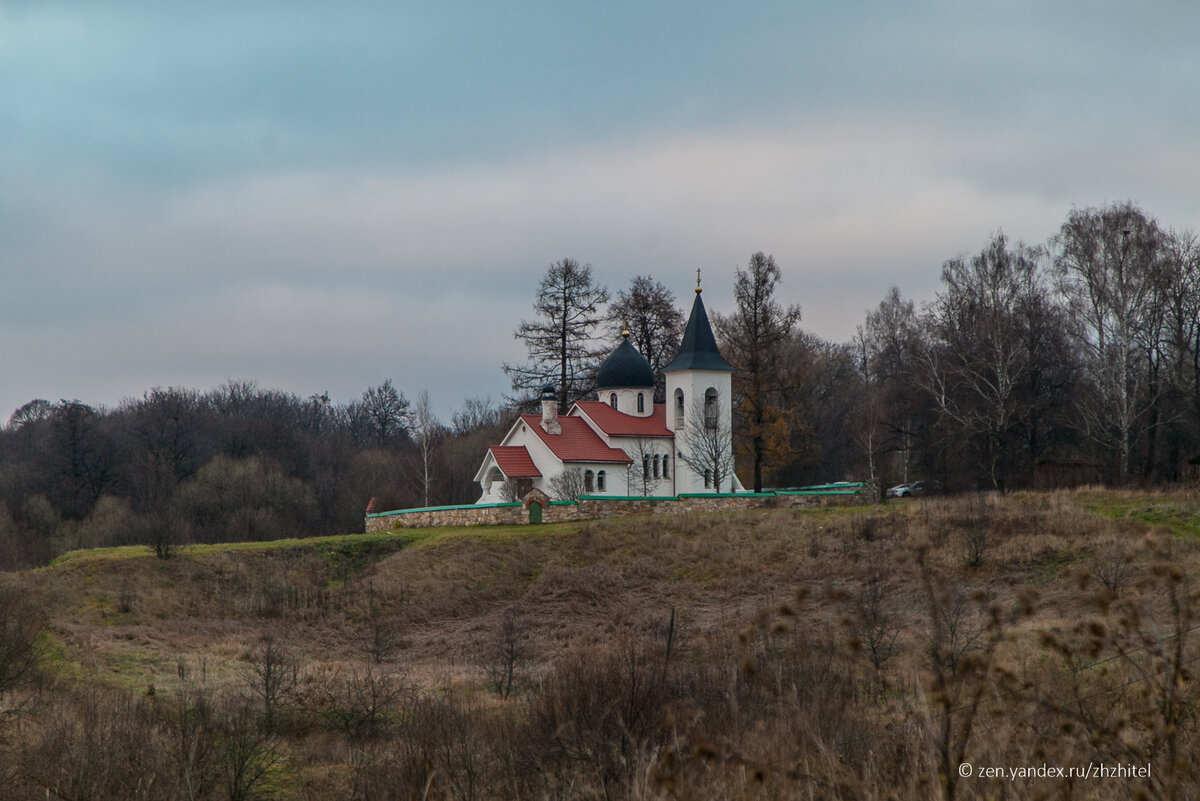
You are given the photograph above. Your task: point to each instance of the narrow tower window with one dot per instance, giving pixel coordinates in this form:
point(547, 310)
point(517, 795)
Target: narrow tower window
point(612, 399)
point(601, 481)
point(589, 481)
point(641, 403)
point(711, 412)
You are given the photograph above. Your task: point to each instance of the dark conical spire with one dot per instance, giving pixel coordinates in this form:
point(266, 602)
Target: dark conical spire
point(698, 349)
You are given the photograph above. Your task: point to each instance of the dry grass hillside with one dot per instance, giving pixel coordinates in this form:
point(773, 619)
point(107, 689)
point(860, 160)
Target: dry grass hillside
point(854, 653)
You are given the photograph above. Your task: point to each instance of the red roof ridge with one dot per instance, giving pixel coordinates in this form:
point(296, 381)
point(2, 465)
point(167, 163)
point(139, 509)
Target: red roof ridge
point(619, 424)
point(577, 442)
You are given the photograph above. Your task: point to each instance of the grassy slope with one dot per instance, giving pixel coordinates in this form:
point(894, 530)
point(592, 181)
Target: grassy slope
point(1180, 514)
point(123, 617)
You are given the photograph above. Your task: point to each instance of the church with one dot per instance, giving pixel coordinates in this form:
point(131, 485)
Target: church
point(622, 443)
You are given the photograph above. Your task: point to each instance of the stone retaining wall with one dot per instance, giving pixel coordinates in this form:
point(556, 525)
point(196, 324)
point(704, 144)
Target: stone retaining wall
point(489, 515)
point(599, 508)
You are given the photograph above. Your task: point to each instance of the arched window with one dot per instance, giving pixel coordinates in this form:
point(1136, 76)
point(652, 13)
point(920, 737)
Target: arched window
point(612, 399)
point(678, 409)
point(645, 465)
point(711, 408)
point(666, 469)
point(601, 481)
point(641, 403)
point(707, 479)
point(589, 481)
point(657, 463)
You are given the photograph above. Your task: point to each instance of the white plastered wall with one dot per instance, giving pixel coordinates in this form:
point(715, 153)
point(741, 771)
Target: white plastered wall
point(695, 383)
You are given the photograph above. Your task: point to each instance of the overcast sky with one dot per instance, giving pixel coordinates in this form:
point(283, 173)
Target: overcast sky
point(319, 196)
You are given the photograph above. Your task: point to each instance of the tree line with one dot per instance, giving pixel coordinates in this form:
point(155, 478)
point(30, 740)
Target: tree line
point(1072, 361)
point(239, 462)
point(1076, 360)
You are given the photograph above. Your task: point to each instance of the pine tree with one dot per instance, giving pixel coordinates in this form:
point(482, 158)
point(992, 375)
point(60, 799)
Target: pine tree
point(560, 337)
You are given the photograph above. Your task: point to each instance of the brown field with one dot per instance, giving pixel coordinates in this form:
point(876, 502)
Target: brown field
point(863, 653)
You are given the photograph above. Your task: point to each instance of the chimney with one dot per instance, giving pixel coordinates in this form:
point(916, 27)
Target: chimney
point(550, 422)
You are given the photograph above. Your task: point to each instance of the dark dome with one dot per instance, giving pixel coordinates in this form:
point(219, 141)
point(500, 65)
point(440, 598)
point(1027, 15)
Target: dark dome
point(625, 368)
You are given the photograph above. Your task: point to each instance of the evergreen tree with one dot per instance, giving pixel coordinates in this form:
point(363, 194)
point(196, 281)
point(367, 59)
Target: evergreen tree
point(559, 339)
point(756, 337)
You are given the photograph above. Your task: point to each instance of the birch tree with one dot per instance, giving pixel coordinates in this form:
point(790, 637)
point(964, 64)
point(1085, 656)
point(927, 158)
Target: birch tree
point(427, 433)
point(1110, 265)
point(976, 362)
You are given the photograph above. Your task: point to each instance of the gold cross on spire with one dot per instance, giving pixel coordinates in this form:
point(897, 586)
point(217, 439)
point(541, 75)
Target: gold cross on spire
point(698, 290)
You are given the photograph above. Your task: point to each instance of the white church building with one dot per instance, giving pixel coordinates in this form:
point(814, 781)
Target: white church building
point(623, 443)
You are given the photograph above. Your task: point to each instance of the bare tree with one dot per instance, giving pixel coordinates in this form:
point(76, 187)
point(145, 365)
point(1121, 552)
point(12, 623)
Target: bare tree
point(503, 655)
point(81, 458)
point(867, 429)
point(707, 447)
point(382, 630)
point(250, 755)
point(875, 621)
point(31, 412)
point(427, 432)
point(274, 673)
point(190, 743)
point(559, 338)
point(1180, 342)
point(1111, 564)
point(1110, 264)
point(362, 700)
point(889, 344)
point(510, 490)
point(979, 361)
point(20, 632)
point(384, 413)
point(568, 485)
point(640, 474)
point(655, 324)
point(476, 413)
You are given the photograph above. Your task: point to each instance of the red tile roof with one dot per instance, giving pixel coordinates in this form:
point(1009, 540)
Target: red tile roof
point(514, 461)
point(619, 424)
point(577, 442)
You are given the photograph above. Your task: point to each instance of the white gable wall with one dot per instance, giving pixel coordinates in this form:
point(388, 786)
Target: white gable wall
point(549, 465)
point(543, 458)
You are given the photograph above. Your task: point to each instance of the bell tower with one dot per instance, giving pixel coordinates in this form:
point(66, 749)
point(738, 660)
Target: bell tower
point(699, 392)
